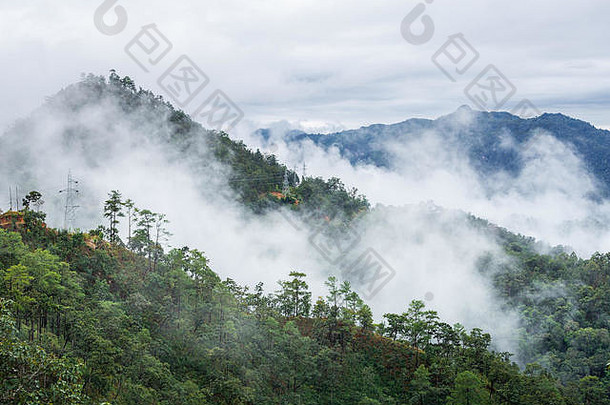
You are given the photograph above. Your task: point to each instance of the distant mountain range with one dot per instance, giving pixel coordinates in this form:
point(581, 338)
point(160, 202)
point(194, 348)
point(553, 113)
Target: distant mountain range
point(483, 139)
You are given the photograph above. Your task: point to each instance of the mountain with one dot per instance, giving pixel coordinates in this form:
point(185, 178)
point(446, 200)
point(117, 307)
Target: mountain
point(115, 315)
point(103, 122)
point(482, 135)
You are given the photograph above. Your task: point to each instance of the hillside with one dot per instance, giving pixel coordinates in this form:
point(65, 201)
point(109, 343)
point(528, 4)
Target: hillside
point(115, 315)
point(83, 116)
point(87, 320)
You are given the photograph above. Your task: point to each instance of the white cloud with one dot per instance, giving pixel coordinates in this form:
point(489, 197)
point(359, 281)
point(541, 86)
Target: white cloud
point(549, 199)
point(342, 61)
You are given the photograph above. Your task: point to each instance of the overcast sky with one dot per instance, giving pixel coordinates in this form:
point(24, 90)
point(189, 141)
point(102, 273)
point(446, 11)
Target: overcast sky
point(319, 64)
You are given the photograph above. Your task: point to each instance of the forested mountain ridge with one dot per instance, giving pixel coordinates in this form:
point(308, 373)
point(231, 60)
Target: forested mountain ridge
point(483, 138)
point(101, 316)
point(252, 175)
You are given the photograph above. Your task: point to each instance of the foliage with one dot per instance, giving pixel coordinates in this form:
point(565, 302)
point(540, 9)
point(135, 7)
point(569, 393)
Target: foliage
point(85, 318)
point(106, 326)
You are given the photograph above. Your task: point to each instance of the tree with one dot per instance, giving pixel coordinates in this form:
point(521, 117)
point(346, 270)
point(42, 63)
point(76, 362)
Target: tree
point(320, 309)
point(294, 299)
point(352, 303)
point(420, 325)
point(334, 296)
point(130, 206)
point(420, 387)
point(33, 198)
point(161, 235)
point(416, 325)
point(141, 241)
point(468, 389)
point(590, 390)
point(258, 303)
point(34, 228)
point(113, 209)
point(396, 325)
point(365, 317)
point(30, 375)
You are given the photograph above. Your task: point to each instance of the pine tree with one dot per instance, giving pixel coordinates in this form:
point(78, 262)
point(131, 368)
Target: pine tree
point(294, 299)
point(113, 210)
point(468, 389)
point(420, 387)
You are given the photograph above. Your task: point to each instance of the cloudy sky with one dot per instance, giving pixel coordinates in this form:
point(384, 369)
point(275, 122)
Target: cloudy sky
point(318, 64)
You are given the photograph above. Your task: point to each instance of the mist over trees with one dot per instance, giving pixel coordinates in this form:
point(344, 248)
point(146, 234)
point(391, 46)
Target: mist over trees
point(86, 319)
point(116, 315)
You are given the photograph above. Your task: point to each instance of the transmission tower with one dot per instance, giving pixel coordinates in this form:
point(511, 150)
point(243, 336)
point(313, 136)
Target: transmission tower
point(71, 193)
point(304, 170)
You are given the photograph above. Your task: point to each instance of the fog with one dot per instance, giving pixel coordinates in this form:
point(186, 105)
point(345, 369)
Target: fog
point(427, 252)
point(550, 198)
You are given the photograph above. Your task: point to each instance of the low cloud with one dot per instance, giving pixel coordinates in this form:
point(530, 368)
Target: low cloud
point(550, 198)
point(434, 253)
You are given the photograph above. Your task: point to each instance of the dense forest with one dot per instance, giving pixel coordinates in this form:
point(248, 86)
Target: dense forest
point(108, 317)
point(99, 318)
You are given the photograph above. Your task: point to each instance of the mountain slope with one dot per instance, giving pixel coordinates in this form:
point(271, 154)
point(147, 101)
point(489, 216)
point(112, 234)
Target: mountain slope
point(100, 122)
point(160, 327)
point(483, 136)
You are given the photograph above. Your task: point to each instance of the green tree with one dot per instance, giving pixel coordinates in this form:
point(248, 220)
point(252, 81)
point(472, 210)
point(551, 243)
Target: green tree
point(468, 389)
point(590, 390)
point(365, 317)
point(113, 209)
point(334, 296)
point(30, 375)
point(420, 387)
point(320, 309)
point(141, 241)
point(161, 236)
point(294, 298)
